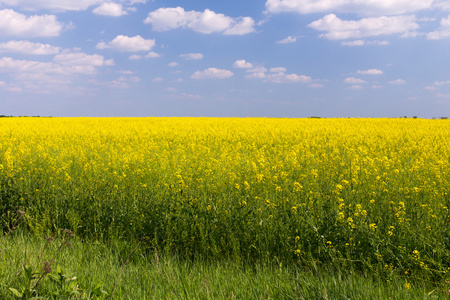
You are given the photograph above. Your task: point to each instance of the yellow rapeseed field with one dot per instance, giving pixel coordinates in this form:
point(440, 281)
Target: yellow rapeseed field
point(374, 192)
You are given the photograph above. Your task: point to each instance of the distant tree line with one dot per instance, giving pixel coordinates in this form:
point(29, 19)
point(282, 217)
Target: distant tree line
point(5, 116)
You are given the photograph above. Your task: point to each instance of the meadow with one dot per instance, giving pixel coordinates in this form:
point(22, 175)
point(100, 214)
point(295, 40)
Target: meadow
point(370, 196)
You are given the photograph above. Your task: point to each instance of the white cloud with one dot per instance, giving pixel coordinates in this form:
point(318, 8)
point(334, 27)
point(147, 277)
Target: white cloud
point(276, 75)
point(42, 77)
point(256, 75)
point(164, 19)
point(26, 69)
point(82, 59)
point(241, 26)
point(134, 57)
point(365, 43)
point(242, 64)
point(212, 73)
point(125, 72)
point(442, 32)
point(192, 56)
point(287, 40)
point(2, 83)
point(257, 70)
point(370, 72)
point(123, 82)
point(62, 5)
point(27, 47)
point(191, 96)
point(137, 2)
point(173, 64)
point(354, 43)
point(110, 9)
point(338, 29)
point(157, 79)
point(55, 5)
point(316, 85)
point(355, 87)
point(442, 4)
point(18, 25)
point(369, 7)
point(152, 55)
point(353, 80)
point(127, 44)
point(397, 82)
point(438, 83)
point(279, 77)
point(278, 70)
point(282, 78)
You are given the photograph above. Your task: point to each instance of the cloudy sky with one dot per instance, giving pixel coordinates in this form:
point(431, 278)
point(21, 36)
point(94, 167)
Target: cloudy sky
point(253, 58)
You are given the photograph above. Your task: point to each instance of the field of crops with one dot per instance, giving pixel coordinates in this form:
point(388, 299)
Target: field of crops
point(372, 194)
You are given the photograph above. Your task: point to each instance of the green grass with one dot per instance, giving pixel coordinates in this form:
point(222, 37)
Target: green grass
point(149, 275)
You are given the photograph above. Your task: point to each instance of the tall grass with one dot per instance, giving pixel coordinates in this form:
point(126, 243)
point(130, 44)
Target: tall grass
point(95, 267)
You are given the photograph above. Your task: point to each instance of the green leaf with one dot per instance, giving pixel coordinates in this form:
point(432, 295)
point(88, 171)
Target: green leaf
point(16, 293)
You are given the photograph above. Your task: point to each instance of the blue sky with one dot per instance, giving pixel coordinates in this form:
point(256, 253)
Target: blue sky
point(274, 58)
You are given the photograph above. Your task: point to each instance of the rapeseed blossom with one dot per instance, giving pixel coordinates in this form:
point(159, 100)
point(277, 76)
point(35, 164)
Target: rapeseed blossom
point(249, 187)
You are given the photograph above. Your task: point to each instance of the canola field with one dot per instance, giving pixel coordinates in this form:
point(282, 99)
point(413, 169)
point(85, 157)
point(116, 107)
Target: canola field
point(372, 194)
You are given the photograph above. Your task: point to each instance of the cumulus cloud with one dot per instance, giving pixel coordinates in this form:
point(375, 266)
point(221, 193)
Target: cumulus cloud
point(192, 56)
point(257, 70)
point(173, 64)
point(353, 80)
point(62, 5)
point(278, 70)
point(242, 64)
point(55, 5)
point(287, 40)
point(276, 75)
point(438, 83)
point(370, 72)
point(18, 25)
point(241, 26)
point(207, 22)
point(364, 43)
point(124, 43)
point(42, 77)
point(372, 7)
point(338, 29)
point(27, 47)
point(442, 32)
point(281, 77)
point(152, 55)
point(316, 85)
point(21, 69)
point(212, 73)
point(110, 9)
point(82, 59)
point(134, 57)
point(397, 82)
point(355, 87)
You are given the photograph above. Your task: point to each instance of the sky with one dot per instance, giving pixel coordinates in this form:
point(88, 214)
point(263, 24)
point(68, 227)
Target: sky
point(199, 58)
